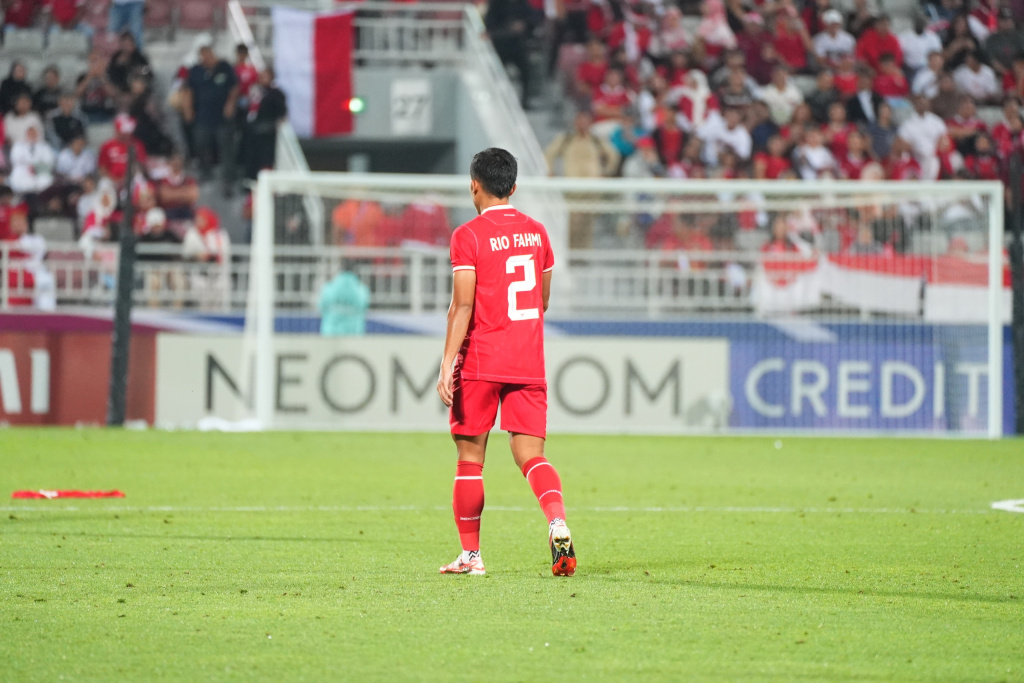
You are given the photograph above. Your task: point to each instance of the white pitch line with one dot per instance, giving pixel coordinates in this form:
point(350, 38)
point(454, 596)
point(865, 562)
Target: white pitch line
point(1009, 505)
point(498, 508)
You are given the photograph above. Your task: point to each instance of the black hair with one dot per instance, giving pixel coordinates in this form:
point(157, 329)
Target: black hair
point(5, 192)
point(495, 169)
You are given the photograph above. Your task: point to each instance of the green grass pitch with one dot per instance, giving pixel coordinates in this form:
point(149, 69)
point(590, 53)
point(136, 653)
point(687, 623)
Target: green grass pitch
point(314, 557)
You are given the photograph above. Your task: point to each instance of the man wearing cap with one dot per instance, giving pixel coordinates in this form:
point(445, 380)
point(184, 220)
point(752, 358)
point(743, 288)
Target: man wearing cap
point(113, 157)
point(917, 44)
point(833, 43)
point(209, 96)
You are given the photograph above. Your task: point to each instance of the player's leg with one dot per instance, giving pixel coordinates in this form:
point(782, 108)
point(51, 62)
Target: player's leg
point(474, 407)
point(524, 415)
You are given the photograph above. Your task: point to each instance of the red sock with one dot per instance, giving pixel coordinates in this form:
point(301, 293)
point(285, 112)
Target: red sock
point(468, 502)
point(543, 479)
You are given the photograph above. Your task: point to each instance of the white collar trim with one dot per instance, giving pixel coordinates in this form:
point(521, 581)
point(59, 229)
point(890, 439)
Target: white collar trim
point(496, 206)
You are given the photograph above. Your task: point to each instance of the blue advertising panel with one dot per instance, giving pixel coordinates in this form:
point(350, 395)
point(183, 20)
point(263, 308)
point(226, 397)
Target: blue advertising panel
point(872, 385)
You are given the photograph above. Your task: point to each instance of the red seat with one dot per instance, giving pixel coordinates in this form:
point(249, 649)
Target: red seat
point(202, 15)
point(159, 13)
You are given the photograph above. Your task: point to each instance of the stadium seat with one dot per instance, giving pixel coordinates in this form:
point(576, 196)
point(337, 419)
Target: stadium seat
point(160, 17)
point(24, 41)
point(70, 69)
point(67, 43)
point(201, 15)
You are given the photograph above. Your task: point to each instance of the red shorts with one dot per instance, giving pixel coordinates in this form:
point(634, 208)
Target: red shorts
point(524, 407)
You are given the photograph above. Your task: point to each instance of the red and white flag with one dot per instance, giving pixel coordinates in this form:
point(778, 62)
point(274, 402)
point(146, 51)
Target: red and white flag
point(313, 63)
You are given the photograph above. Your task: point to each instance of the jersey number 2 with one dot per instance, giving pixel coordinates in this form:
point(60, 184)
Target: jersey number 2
point(529, 281)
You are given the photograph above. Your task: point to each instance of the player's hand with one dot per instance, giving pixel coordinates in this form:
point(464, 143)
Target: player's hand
point(446, 386)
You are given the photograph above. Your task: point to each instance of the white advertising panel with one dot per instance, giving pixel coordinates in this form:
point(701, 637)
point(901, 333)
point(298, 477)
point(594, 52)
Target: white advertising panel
point(616, 385)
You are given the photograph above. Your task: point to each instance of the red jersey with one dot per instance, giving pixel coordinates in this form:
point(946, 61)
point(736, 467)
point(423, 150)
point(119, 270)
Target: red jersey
point(64, 12)
point(850, 167)
point(509, 252)
point(20, 13)
point(591, 74)
point(113, 158)
point(247, 77)
point(846, 83)
point(773, 166)
point(891, 85)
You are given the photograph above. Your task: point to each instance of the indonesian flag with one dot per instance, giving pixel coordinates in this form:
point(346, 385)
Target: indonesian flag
point(313, 63)
point(943, 288)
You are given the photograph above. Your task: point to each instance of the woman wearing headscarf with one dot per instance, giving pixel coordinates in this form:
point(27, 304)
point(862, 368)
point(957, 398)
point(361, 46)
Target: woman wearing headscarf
point(694, 100)
point(13, 87)
point(713, 32)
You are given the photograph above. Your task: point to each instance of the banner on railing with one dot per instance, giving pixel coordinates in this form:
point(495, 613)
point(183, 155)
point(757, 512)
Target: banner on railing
point(938, 289)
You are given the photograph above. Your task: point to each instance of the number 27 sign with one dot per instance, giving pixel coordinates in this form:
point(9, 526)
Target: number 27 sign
point(412, 107)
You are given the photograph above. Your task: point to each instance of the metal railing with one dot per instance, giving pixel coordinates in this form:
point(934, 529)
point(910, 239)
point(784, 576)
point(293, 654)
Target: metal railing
point(639, 283)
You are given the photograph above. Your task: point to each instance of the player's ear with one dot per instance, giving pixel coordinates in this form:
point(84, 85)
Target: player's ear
point(513, 190)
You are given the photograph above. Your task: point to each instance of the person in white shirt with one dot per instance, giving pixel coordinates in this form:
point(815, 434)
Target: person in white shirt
point(926, 82)
point(76, 161)
point(725, 130)
point(918, 44)
point(31, 163)
point(781, 95)
point(833, 43)
point(922, 131)
point(976, 79)
point(813, 159)
point(20, 120)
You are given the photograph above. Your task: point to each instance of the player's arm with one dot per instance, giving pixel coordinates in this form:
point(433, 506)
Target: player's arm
point(459, 314)
point(545, 288)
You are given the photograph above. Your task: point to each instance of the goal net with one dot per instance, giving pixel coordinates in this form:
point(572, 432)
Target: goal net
point(677, 306)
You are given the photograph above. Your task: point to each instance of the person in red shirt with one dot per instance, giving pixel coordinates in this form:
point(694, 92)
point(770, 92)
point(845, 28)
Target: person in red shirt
point(668, 139)
point(877, 41)
point(983, 163)
point(851, 164)
point(845, 78)
point(178, 192)
point(772, 164)
point(791, 42)
point(67, 15)
point(494, 354)
point(1006, 134)
point(890, 81)
point(113, 157)
point(837, 130)
point(590, 74)
point(901, 164)
point(965, 126)
point(611, 98)
point(20, 13)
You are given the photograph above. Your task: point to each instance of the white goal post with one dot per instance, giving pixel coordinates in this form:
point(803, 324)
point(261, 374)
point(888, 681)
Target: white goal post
point(875, 267)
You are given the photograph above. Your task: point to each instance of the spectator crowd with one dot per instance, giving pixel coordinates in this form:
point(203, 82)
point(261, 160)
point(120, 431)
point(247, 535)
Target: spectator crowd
point(58, 159)
point(783, 89)
point(780, 89)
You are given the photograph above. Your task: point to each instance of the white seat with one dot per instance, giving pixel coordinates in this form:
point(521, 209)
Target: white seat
point(68, 43)
point(24, 41)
